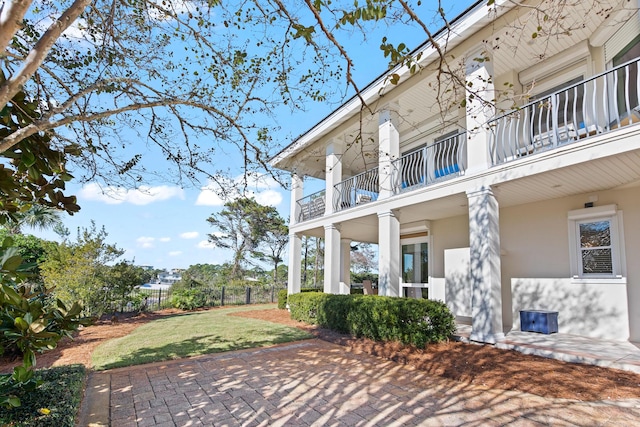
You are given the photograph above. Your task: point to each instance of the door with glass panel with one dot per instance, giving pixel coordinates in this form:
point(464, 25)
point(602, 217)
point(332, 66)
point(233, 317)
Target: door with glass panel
point(415, 267)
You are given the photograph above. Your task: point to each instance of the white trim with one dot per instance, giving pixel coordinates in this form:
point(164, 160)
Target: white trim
point(587, 213)
point(555, 65)
point(618, 257)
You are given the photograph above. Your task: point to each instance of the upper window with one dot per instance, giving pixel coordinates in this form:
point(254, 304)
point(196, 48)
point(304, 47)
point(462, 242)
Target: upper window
point(596, 242)
point(628, 76)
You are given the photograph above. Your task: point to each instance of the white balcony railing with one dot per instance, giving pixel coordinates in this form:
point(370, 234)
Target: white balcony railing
point(357, 190)
point(311, 206)
point(443, 160)
point(599, 104)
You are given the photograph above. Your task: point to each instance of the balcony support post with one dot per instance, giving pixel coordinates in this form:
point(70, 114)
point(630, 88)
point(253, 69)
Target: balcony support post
point(486, 282)
point(295, 268)
point(389, 148)
point(388, 254)
point(332, 259)
point(333, 173)
point(345, 266)
point(480, 108)
point(297, 189)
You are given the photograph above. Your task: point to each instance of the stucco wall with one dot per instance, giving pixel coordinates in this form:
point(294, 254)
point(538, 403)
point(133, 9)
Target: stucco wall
point(535, 262)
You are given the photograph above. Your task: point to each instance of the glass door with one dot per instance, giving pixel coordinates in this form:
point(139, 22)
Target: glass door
point(415, 267)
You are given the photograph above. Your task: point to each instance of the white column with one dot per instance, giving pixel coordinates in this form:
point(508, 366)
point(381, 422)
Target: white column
point(331, 259)
point(345, 266)
point(486, 287)
point(333, 172)
point(297, 190)
point(388, 254)
point(295, 268)
point(389, 148)
point(480, 109)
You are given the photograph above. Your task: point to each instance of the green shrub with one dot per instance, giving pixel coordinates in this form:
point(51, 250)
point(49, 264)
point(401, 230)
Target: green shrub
point(189, 299)
point(411, 321)
point(54, 403)
point(356, 291)
point(310, 290)
point(282, 299)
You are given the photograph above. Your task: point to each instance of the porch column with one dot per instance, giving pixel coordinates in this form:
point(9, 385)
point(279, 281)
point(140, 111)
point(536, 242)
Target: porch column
point(389, 148)
point(295, 268)
point(388, 254)
point(333, 173)
point(332, 259)
point(297, 190)
point(345, 266)
point(486, 288)
point(480, 108)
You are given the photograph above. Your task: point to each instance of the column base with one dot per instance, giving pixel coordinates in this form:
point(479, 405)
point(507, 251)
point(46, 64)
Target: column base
point(487, 338)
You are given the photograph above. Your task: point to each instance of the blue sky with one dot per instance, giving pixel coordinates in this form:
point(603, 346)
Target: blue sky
point(165, 226)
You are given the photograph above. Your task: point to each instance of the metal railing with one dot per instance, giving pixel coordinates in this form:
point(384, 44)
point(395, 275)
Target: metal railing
point(357, 190)
point(599, 104)
point(440, 161)
point(311, 206)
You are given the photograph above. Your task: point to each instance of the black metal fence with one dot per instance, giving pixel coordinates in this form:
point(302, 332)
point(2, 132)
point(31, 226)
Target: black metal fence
point(157, 299)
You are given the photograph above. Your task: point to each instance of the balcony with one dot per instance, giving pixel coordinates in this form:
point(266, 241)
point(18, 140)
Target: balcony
point(311, 206)
point(581, 110)
point(357, 190)
point(434, 163)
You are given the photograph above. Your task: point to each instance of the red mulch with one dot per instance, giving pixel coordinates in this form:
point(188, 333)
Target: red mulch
point(468, 363)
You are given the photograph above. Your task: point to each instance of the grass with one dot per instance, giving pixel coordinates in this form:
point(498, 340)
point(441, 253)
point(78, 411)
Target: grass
point(192, 334)
point(55, 403)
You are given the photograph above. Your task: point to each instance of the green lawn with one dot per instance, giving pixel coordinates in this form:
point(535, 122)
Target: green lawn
point(193, 334)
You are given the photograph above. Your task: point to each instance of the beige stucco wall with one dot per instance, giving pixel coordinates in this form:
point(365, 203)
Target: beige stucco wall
point(535, 261)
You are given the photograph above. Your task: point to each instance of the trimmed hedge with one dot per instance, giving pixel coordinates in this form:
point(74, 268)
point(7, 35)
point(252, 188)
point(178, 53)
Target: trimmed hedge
point(283, 293)
point(282, 299)
point(411, 321)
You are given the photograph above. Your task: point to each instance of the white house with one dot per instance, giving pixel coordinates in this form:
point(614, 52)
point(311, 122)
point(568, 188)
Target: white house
point(491, 209)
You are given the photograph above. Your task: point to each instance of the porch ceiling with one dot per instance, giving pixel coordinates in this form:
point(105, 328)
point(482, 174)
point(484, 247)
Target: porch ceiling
point(615, 172)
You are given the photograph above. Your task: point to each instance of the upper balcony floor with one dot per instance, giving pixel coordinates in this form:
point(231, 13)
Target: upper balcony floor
point(425, 131)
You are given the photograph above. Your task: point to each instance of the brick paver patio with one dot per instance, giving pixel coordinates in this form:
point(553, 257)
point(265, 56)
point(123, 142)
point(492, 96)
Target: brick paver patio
point(315, 383)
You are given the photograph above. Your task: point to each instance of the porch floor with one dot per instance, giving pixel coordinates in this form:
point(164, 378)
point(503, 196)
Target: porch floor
point(623, 355)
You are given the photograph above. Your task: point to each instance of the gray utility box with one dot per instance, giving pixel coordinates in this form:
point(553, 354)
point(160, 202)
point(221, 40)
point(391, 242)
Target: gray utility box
point(542, 321)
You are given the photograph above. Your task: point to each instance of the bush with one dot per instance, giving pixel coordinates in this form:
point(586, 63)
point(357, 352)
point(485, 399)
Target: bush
point(282, 299)
point(189, 299)
point(410, 321)
point(54, 403)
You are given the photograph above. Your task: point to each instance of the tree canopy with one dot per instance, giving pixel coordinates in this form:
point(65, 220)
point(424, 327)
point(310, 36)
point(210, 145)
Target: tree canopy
point(113, 79)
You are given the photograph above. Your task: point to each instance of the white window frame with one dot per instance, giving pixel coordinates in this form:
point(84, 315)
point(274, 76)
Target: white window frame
point(601, 213)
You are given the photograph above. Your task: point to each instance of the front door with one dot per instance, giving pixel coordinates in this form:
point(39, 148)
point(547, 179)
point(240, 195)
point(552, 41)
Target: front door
point(415, 267)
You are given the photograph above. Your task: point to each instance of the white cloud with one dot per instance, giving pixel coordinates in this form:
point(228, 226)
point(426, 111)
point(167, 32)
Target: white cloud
point(145, 242)
point(269, 198)
point(140, 196)
point(164, 239)
point(190, 235)
point(175, 253)
point(205, 244)
point(260, 186)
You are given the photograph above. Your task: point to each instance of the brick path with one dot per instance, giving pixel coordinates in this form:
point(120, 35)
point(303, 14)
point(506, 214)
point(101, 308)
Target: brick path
point(315, 383)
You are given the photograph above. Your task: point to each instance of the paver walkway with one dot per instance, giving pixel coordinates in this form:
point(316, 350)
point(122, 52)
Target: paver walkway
point(316, 383)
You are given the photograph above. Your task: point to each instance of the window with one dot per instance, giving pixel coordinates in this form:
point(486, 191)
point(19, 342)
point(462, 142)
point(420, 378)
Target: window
point(415, 260)
point(631, 51)
point(596, 242)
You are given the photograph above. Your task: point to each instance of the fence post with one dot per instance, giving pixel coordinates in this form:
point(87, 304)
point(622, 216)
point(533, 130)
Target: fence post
point(248, 296)
point(222, 297)
point(159, 298)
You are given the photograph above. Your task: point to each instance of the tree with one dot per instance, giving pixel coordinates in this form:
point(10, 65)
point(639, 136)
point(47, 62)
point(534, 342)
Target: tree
point(272, 246)
point(104, 70)
point(363, 258)
point(121, 280)
point(79, 270)
point(241, 226)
